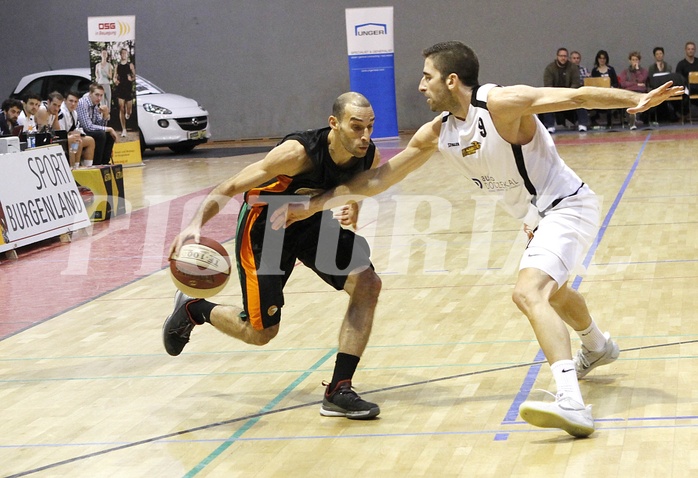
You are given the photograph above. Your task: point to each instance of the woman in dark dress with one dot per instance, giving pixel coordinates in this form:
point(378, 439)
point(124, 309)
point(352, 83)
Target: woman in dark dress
point(124, 76)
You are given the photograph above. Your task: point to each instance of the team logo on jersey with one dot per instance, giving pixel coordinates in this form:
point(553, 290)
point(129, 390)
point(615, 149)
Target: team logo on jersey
point(472, 149)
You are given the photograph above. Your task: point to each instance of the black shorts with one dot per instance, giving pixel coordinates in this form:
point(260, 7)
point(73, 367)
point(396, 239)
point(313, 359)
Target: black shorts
point(266, 258)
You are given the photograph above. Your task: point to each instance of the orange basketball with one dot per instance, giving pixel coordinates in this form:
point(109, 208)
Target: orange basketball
point(200, 269)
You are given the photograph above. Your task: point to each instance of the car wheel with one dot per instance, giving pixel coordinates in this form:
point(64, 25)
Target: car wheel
point(182, 148)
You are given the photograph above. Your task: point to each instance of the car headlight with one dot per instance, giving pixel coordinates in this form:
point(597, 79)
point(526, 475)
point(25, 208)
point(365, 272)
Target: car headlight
point(155, 109)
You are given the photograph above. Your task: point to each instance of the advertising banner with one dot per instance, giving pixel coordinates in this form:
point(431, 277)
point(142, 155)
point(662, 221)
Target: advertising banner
point(113, 65)
point(372, 65)
point(38, 197)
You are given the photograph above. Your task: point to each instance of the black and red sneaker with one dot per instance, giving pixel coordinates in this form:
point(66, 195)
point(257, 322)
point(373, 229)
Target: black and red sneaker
point(178, 326)
point(345, 402)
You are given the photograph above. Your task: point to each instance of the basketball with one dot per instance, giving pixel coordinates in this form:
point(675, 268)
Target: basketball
point(200, 269)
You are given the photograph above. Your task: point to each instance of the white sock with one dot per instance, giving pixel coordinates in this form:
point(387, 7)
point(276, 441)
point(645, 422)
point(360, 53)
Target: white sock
point(592, 337)
point(565, 377)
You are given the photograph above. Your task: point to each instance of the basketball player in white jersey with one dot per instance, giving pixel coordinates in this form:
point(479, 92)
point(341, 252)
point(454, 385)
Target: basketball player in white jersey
point(492, 134)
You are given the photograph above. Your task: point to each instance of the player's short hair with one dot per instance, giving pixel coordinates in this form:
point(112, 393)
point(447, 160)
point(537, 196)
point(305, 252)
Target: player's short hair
point(350, 97)
point(455, 57)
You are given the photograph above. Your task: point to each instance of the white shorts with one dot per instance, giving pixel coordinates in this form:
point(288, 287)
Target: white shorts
point(563, 236)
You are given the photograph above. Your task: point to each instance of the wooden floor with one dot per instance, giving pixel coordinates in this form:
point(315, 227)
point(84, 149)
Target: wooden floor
point(88, 390)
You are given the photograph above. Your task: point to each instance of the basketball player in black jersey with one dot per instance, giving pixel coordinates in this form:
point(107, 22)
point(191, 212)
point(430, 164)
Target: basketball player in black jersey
point(302, 164)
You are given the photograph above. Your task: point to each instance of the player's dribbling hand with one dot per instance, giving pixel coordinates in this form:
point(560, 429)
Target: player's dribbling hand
point(190, 232)
point(288, 214)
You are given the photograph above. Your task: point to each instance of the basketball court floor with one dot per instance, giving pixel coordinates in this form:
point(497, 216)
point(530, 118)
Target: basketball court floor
point(87, 389)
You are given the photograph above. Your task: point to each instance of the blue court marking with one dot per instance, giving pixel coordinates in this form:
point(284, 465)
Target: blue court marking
point(534, 370)
point(250, 423)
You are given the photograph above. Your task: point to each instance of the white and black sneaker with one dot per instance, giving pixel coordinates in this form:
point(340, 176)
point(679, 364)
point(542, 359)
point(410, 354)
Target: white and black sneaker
point(564, 413)
point(585, 360)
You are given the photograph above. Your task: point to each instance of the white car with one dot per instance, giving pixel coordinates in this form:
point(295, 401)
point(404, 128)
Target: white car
point(164, 119)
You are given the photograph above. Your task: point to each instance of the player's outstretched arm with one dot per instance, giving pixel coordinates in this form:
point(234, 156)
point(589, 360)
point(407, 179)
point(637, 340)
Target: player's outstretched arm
point(367, 183)
point(289, 158)
point(520, 100)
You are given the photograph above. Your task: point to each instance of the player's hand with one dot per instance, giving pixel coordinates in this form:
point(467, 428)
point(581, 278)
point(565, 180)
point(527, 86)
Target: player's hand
point(289, 213)
point(190, 232)
point(529, 232)
point(656, 96)
point(348, 215)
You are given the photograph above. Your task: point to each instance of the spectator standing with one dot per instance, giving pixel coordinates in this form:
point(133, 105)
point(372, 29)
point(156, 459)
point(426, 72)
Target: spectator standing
point(634, 78)
point(93, 118)
point(560, 74)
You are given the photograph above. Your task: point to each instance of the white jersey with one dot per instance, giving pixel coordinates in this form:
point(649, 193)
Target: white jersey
point(520, 175)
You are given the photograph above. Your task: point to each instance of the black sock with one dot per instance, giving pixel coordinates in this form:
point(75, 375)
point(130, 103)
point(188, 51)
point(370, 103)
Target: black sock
point(200, 310)
point(344, 368)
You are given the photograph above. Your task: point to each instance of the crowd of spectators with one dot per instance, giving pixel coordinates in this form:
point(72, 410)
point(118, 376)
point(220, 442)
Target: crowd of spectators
point(80, 120)
point(566, 72)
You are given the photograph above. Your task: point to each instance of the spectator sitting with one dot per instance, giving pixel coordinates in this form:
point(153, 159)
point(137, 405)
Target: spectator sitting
point(582, 114)
point(68, 121)
point(684, 67)
point(93, 119)
point(665, 110)
point(659, 65)
point(634, 78)
point(560, 74)
point(48, 112)
point(26, 117)
point(11, 109)
point(603, 69)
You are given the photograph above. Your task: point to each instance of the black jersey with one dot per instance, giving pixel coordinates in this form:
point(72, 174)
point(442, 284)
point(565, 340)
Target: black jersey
point(325, 175)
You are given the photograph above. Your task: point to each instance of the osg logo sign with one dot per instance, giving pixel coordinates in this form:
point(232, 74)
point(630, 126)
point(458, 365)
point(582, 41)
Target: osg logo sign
point(114, 28)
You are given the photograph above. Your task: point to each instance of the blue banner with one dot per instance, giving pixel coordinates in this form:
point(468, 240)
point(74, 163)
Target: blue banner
point(372, 64)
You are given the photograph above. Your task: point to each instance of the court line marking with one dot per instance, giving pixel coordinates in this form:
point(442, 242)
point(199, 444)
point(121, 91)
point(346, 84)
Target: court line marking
point(256, 416)
point(253, 421)
point(532, 375)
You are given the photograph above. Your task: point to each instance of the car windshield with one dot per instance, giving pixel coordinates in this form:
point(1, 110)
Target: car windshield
point(144, 87)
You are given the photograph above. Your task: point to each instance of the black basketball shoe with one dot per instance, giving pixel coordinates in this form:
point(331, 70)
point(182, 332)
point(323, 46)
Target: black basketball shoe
point(177, 327)
point(345, 402)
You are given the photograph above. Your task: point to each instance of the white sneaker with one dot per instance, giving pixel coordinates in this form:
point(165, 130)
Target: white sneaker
point(551, 129)
point(585, 360)
point(582, 128)
point(633, 127)
point(564, 413)
point(124, 134)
